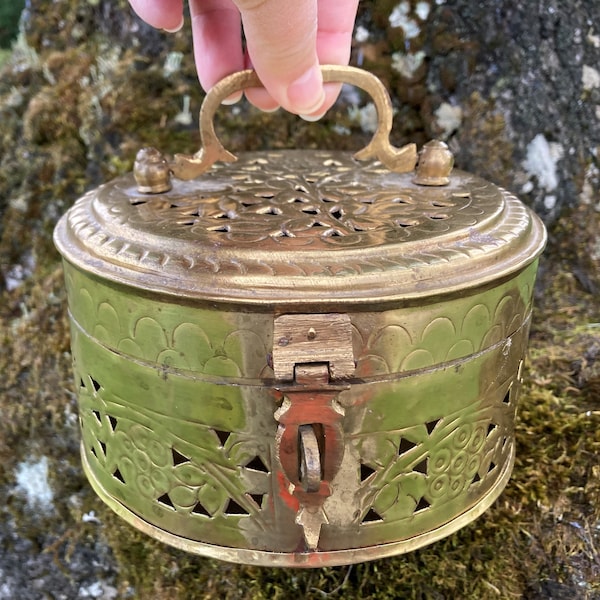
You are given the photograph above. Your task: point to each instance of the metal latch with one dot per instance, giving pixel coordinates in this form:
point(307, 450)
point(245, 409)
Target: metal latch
point(312, 355)
point(310, 443)
point(306, 338)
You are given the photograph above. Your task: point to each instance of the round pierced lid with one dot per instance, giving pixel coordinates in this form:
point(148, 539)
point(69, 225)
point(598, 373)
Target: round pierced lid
point(298, 227)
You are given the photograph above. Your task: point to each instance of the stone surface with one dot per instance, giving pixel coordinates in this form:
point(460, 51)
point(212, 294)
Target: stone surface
point(513, 87)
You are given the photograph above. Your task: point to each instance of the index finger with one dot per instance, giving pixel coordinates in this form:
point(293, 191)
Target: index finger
point(281, 41)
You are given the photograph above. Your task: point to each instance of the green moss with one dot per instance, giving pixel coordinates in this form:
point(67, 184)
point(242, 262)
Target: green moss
point(81, 122)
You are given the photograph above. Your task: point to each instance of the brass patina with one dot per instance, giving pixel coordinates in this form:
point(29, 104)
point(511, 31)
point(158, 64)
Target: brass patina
point(299, 358)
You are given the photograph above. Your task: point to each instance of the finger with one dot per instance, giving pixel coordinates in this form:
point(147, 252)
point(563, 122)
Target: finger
point(259, 96)
point(281, 41)
point(162, 14)
point(334, 41)
point(217, 34)
point(334, 33)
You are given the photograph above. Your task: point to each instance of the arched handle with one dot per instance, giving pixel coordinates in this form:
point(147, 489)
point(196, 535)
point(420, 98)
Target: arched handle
point(400, 160)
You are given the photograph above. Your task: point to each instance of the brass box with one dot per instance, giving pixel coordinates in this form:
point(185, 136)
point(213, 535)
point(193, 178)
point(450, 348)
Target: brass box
point(299, 358)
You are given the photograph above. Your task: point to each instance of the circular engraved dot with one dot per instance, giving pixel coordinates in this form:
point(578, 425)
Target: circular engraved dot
point(472, 466)
point(477, 439)
point(456, 486)
point(462, 436)
point(160, 481)
point(141, 436)
point(141, 460)
point(439, 485)
point(127, 469)
point(441, 460)
point(459, 463)
point(144, 485)
point(158, 453)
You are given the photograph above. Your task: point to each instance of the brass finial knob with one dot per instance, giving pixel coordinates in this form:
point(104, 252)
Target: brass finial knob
point(435, 164)
point(151, 172)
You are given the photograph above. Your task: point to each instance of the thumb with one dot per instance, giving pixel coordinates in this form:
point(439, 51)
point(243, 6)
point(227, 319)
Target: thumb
point(281, 39)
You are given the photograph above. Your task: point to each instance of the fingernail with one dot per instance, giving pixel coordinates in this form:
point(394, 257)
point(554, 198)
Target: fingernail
point(306, 94)
point(313, 118)
point(233, 99)
point(175, 29)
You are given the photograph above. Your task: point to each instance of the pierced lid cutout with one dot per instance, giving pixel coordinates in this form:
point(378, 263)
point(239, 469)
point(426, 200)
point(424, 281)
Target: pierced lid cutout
point(296, 227)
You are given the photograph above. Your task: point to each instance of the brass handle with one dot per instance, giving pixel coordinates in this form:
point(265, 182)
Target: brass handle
point(401, 160)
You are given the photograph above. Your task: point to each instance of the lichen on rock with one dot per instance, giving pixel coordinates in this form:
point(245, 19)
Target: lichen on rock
point(87, 84)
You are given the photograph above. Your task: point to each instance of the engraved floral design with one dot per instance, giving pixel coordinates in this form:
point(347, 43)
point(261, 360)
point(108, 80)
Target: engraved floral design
point(420, 341)
point(167, 338)
point(179, 241)
point(221, 475)
point(427, 465)
point(295, 202)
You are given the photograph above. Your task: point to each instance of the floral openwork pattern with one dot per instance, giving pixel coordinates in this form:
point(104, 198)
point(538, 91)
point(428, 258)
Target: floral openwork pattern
point(313, 226)
point(334, 200)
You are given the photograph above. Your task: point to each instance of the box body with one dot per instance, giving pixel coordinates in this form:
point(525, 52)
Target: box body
point(323, 428)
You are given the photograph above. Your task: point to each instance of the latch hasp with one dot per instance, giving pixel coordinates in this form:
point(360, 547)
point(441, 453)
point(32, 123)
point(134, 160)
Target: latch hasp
point(313, 338)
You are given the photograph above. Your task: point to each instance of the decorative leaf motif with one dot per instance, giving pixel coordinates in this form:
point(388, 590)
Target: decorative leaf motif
point(438, 336)
point(371, 366)
point(245, 347)
point(86, 308)
point(172, 359)
point(128, 346)
point(212, 497)
point(504, 310)
point(150, 336)
point(392, 341)
point(460, 349)
point(183, 496)
point(494, 335)
point(386, 498)
point(477, 320)
point(190, 474)
point(220, 365)
point(399, 498)
point(414, 484)
point(102, 334)
point(417, 359)
point(192, 342)
point(108, 318)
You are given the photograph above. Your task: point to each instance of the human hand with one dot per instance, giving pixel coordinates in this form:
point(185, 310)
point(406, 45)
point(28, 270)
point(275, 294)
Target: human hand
point(285, 42)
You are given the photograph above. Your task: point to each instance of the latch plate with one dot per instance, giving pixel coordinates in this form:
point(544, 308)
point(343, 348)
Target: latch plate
point(313, 338)
point(313, 353)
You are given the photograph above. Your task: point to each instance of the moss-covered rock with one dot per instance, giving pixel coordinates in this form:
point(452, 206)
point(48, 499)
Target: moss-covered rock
point(508, 85)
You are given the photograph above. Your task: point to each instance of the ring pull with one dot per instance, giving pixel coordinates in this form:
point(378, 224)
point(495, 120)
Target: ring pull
point(400, 160)
point(310, 468)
